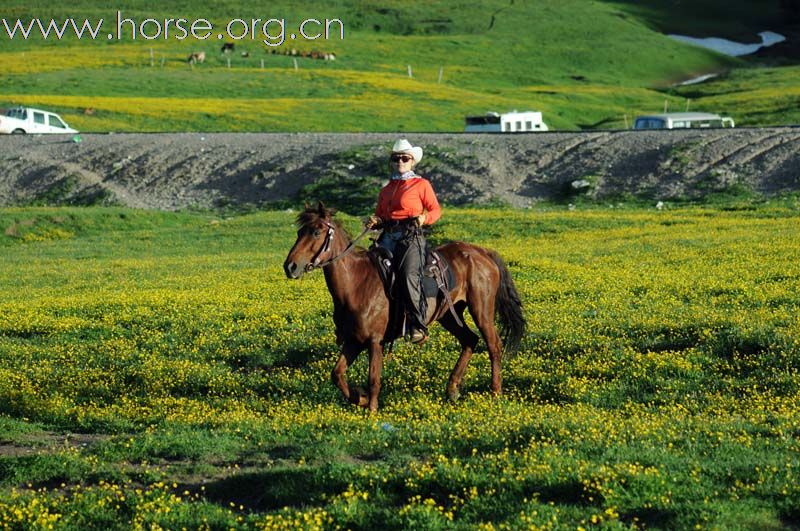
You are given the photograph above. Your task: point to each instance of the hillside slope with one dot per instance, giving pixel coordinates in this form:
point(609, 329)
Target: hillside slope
point(414, 66)
point(176, 171)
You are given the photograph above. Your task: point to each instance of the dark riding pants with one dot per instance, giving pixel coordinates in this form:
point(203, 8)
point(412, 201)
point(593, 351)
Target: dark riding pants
point(408, 249)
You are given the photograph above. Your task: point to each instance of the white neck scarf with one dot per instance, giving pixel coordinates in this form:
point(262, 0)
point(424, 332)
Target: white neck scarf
point(404, 177)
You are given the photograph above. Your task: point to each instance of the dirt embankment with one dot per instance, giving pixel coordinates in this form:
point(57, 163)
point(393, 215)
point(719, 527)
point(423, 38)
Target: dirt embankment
point(172, 171)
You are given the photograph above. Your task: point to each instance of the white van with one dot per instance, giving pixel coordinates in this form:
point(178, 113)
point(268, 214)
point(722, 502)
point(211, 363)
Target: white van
point(510, 122)
point(22, 120)
point(682, 120)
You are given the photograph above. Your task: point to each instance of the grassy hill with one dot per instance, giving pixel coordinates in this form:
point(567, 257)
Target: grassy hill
point(584, 64)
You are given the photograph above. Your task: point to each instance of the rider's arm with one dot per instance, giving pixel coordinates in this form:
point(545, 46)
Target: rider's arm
point(430, 203)
point(383, 209)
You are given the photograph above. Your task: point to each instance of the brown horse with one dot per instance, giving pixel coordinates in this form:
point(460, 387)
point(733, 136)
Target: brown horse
point(361, 307)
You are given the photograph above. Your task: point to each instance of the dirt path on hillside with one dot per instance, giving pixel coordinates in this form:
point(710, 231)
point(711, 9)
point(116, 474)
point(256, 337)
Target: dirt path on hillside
point(47, 442)
point(172, 171)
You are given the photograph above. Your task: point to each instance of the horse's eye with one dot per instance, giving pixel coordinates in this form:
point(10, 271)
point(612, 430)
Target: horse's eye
point(317, 232)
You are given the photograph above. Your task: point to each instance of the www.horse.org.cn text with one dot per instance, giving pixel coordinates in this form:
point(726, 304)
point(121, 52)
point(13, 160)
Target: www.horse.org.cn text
point(270, 31)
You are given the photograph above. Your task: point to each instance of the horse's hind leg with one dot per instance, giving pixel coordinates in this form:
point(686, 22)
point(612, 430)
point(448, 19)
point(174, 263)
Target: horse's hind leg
point(484, 319)
point(375, 369)
point(468, 340)
point(350, 352)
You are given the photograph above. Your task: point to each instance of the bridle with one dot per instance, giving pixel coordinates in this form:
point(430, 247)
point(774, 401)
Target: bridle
point(316, 262)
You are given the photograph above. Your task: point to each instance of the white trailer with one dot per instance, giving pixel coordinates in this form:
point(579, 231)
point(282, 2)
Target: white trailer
point(510, 122)
point(682, 120)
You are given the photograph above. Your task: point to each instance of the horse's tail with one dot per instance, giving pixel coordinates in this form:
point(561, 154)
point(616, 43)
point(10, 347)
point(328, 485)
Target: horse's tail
point(509, 308)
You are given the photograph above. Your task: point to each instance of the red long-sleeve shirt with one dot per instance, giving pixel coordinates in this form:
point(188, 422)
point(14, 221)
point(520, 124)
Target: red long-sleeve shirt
point(401, 199)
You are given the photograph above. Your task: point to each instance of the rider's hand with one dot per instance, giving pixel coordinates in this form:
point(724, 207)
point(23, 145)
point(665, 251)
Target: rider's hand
point(373, 222)
point(421, 219)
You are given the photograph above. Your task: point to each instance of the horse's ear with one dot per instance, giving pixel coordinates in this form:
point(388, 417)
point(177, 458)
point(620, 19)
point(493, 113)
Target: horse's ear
point(323, 211)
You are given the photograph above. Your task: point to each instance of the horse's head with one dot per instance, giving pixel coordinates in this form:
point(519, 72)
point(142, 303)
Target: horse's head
point(314, 238)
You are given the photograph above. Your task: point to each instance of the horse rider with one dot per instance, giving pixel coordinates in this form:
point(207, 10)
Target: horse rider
point(405, 205)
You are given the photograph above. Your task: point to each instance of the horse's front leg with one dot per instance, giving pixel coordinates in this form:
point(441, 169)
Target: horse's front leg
point(375, 369)
point(350, 352)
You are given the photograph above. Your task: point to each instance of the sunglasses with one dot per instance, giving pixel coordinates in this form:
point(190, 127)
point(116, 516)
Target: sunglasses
point(401, 158)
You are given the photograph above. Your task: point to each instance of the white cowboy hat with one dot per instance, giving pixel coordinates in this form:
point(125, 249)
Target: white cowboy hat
point(404, 146)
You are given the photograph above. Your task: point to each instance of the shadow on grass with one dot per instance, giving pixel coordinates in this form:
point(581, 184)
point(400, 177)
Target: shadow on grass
point(292, 357)
point(667, 338)
point(723, 343)
point(569, 492)
point(549, 389)
point(655, 518)
point(275, 489)
point(791, 518)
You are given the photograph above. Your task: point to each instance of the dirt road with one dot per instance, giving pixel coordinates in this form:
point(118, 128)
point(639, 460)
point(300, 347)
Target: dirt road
point(172, 171)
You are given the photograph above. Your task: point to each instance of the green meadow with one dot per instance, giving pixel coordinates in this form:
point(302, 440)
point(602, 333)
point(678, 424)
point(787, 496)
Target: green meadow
point(158, 371)
point(584, 64)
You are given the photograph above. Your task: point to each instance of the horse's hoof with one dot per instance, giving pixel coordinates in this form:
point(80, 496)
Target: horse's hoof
point(453, 394)
point(355, 394)
point(358, 396)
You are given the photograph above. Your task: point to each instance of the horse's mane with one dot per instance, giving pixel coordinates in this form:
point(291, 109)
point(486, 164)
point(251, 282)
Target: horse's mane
point(312, 216)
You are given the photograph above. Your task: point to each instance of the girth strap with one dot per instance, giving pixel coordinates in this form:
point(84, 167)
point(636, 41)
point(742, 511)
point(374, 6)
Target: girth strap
point(439, 270)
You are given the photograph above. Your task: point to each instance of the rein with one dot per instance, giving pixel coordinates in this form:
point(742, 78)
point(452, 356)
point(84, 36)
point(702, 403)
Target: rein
point(326, 245)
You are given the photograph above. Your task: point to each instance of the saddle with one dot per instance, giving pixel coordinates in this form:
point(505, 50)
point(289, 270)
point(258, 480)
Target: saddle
point(437, 278)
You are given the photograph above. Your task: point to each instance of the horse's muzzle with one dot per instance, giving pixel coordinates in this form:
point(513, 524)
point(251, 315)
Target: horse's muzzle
point(292, 270)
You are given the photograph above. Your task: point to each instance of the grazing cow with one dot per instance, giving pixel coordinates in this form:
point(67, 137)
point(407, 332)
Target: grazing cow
point(227, 47)
point(197, 57)
point(293, 52)
point(245, 54)
point(88, 111)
